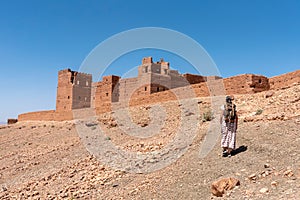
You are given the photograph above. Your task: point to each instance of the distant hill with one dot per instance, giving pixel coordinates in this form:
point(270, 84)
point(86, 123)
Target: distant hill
point(1, 123)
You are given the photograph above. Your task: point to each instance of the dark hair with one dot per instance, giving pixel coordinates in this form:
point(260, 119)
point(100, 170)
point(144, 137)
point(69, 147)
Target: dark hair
point(228, 99)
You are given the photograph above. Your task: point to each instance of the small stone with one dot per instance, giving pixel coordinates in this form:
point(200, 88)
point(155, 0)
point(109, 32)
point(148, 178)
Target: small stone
point(264, 190)
point(269, 94)
point(288, 173)
point(248, 192)
point(267, 173)
point(274, 183)
point(252, 177)
point(267, 165)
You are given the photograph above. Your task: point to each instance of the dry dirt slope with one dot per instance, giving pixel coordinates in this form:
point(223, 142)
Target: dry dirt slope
point(46, 160)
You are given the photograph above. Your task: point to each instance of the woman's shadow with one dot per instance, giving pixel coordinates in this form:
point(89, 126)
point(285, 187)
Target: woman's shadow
point(239, 150)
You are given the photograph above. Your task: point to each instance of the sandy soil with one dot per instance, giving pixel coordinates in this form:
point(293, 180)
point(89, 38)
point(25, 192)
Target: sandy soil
point(48, 160)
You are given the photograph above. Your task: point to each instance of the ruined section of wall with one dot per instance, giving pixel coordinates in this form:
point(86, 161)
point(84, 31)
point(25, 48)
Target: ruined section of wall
point(82, 85)
point(285, 80)
point(194, 79)
point(246, 84)
point(12, 121)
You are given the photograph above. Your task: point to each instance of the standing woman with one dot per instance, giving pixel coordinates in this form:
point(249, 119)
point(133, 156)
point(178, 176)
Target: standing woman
point(229, 121)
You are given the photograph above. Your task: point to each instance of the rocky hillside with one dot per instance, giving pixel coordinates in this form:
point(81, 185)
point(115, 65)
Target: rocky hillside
point(53, 160)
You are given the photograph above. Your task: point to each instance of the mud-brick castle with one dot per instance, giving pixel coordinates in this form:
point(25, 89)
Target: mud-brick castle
point(155, 82)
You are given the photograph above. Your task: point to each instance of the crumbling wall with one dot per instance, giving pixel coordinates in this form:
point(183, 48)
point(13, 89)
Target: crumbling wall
point(194, 79)
point(12, 121)
point(246, 84)
point(285, 80)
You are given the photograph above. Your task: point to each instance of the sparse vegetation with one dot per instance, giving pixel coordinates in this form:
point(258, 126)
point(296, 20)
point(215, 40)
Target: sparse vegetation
point(259, 111)
point(208, 115)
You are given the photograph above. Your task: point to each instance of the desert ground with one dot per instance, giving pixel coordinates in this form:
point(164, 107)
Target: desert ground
point(50, 160)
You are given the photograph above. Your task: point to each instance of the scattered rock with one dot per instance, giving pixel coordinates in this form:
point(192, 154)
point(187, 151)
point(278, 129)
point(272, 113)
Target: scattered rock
point(274, 183)
point(90, 124)
point(288, 173)
point(267, 165)
point(269, 94)
point(264, 190)
point(252, 177)
point(219, 187)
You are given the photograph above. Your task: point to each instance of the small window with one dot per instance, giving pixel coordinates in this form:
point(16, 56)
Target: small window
point(64, 107)
point(157, 89)
point(68, 97)
point(145, 88)
point(85, 98)
point(259, 80)
point(77, 82)
point(87, 83)
point(79, 97)
point(107, 94)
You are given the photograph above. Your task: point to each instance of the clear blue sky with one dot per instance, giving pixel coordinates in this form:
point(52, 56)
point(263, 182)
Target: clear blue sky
point(38, 38)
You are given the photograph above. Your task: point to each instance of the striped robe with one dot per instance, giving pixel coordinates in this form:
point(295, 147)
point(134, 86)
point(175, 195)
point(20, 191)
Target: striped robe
point(228, 130)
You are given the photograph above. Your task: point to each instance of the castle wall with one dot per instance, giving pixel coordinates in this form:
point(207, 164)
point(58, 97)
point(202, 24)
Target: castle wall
point(93, 91)
point(160, 82)
point(243, 84)
point(155, 83)
point(177, 80)
point(194, 79)
point(129, 85)
point(106, 90)
point(82, 85)
point(285, 80)
point(64, 90)
point(49, 115)
point(246, 84)
point(73, 90)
